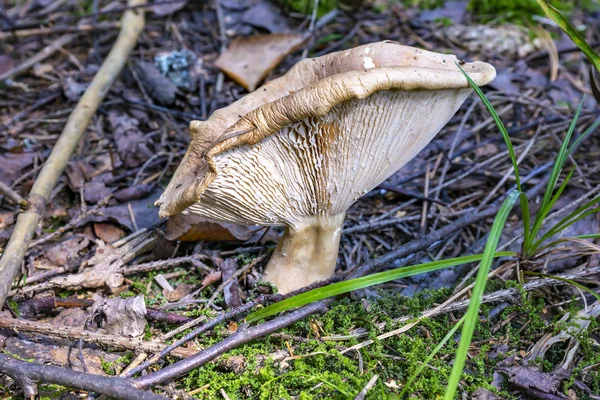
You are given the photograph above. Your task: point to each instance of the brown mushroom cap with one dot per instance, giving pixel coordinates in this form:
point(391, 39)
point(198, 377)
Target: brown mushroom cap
point(309, 144)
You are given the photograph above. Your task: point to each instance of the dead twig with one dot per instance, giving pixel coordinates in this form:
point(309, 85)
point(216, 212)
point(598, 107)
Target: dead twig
point(27, 374)
point(233, 276)
point(363, 393)
point(92, 211)
point(40, 56)
point(103, 26)
point(113, 341)
point(10, 263)
point(12, 195)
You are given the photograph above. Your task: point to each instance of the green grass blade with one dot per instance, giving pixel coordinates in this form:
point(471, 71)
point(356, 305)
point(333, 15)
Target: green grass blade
point(569, 219)
point(561, 159)
point(565, 280)
point(472, 315)
point(374, 279)
point(543, 213)
point(524, 202)
point(564, 224)
point(575, 36)
point(513, 158)
point(585, 134)
point(503, 131)
point(431, 355)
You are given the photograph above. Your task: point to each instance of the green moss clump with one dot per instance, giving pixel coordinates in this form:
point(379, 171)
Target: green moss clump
point(318, 370)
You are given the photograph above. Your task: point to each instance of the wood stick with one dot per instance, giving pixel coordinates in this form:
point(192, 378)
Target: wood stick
point(10, 263)
point(12, 195)
point(40, 56)
point(27, 374)
point(117, 342)
point(102, 26)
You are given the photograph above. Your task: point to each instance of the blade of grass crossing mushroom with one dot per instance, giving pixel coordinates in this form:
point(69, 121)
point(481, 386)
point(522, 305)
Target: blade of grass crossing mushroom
point(575, 36)
point(431, 355)
point(511, 151)
point(472, 315)
point(359, 283)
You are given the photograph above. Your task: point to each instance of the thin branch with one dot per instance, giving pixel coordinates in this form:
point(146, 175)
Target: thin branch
point(71, 333)
point(40, 56)
point(12, 195)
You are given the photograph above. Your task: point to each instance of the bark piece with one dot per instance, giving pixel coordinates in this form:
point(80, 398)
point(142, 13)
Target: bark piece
point(121, 317)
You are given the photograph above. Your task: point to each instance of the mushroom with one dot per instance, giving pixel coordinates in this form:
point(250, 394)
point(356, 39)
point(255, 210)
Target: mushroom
point(299, 151)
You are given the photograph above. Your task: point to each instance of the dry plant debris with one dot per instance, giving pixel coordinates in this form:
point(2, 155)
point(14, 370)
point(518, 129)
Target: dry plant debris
point(97, 235)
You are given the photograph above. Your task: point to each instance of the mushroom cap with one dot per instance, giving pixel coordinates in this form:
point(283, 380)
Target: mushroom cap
point(309, 144)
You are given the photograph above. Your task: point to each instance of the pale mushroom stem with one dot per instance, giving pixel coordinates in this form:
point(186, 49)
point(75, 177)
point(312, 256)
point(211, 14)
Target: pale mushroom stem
point(305, 254)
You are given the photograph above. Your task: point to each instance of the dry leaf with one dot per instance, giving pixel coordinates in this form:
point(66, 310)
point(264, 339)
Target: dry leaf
point(131, 143)
point(108, 232)
point(121, 317)
point(180, 291)
point(211, 278)
point(71, 317)
point(13, 165)
point(193, 228)
point(248, 61)
point(106, 263)
point(61, 253)
point(167, 8)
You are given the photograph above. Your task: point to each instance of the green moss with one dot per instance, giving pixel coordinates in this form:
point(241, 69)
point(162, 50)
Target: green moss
point(318, 370)
point(109, 367)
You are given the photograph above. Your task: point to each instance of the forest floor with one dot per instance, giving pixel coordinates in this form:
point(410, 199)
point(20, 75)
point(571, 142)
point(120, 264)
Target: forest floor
point(102, 267)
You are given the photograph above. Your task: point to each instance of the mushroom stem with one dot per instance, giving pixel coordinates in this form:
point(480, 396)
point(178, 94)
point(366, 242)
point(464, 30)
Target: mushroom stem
point(306, 253)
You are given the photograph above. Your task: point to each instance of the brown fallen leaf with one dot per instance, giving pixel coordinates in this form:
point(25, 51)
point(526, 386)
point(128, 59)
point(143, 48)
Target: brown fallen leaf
point(180, 291)
point(193, 228)
point(249, 60)
point(121, 317)
point(104, 271)
point(132, 145)
point(108, 232)
point(61, 253)
point(211, 278)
